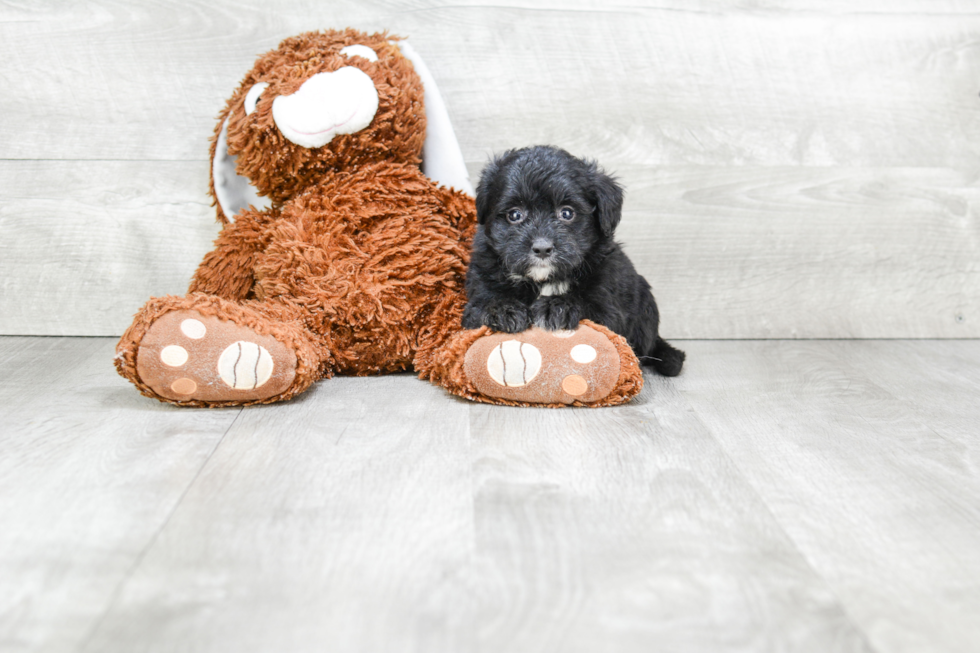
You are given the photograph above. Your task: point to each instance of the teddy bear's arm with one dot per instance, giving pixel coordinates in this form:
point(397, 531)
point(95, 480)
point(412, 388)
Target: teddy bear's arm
point(228, 270)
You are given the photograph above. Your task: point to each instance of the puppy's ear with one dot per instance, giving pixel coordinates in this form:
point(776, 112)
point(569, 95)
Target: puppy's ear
point(608, 196)
point(485, 190)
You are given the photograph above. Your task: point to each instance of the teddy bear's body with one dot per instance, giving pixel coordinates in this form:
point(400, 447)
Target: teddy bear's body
point(378, 256)
point(359, 263)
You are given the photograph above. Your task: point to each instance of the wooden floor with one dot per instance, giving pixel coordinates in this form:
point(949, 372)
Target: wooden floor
point(778, 496)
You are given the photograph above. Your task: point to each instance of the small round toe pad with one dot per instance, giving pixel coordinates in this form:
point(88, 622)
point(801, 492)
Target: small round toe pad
point(575, 385)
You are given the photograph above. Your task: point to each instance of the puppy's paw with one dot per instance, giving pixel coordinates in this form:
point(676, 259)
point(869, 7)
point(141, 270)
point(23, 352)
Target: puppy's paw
point(556, 314)
point(508, 317)
point(472, 316)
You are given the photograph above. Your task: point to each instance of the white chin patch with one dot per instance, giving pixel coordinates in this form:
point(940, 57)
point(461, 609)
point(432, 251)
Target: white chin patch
point(539, 272)
point(233, 192)
point(327, 104)
point(553, 289)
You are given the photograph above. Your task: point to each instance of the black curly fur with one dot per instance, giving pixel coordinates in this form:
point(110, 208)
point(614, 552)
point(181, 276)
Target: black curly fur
point(524, 246)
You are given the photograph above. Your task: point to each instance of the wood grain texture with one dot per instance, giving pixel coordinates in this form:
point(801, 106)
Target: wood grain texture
point(795, 169)
point(953, 372)
point(89, 473)
point(340, 520)
point(730, 252)
point(777, 496)
point(803, 252)
point(878, 497)
point(663, 84)
point(85, 244)
point(629, 529)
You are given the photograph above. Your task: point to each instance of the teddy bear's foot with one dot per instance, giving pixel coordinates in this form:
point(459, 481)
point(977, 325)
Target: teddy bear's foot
point(548, 367)
point(186, 356)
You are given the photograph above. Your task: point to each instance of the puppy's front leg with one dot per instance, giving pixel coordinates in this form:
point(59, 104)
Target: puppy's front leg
point(500, 314)
point(556, 312)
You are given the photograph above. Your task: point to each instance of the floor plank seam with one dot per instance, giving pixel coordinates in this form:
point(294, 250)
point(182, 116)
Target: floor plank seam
point(967, 508)
point(782, 529)
point(84, 644)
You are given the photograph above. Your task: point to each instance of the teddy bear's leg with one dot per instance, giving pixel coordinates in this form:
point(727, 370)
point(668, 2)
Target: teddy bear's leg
point(590, 366)
point(202, 350)
point(227, 270)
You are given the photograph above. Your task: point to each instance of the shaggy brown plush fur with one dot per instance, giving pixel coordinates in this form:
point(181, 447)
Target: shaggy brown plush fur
point(279, 168)
point(358, 268)
point(312, 363)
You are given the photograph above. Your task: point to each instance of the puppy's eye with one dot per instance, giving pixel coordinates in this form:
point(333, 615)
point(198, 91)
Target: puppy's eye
point(252, 97)
point(565, 214)
point(515, 216)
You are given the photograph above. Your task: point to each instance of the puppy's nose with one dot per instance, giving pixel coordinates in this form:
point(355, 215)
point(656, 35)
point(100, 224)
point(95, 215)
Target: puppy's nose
point(542, 247)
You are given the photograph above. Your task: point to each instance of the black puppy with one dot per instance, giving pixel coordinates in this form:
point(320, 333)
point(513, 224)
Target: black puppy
point(544, 254)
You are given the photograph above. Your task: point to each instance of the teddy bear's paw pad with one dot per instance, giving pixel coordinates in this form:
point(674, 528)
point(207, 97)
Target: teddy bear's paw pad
point(544, 367)
point(187, 356)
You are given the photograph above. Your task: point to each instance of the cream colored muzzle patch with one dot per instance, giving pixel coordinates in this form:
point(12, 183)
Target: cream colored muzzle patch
point(327, 104)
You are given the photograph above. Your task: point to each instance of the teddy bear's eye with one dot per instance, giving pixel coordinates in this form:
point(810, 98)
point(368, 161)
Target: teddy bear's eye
point(359, 51)
point(515, 216)
point(252, 97)
point(566, 214)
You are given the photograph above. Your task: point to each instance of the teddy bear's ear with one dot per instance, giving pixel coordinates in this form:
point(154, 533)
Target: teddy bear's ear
point(442, 159)
point(232, 192)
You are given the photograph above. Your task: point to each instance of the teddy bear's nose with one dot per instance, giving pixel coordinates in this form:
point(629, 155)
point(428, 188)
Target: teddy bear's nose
point(327, 104)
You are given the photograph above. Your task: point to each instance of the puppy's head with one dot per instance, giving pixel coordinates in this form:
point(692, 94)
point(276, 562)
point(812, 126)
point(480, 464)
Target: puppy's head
point(543, 211)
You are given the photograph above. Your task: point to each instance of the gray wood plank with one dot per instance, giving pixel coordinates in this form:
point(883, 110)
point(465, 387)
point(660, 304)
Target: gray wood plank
point(325, 520)
point(89, 473)
point(657, 84)
point(715, 87)
point(342, 520)
point(731, 252)
point(937, 381)
point(83, 246)
point(795, 170)
point(818, 495)
point(883, 504)
point(629, 529)
point(800, 252)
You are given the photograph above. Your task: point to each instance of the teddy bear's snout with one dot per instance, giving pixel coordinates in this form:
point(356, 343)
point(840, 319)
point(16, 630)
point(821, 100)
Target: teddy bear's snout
point(327, 104)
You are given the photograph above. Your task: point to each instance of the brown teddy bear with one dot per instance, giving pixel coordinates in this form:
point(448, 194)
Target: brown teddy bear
point(347, 259)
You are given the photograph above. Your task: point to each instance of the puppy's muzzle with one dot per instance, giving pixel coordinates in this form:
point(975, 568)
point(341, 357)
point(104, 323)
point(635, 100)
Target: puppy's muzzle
point(540, 261)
